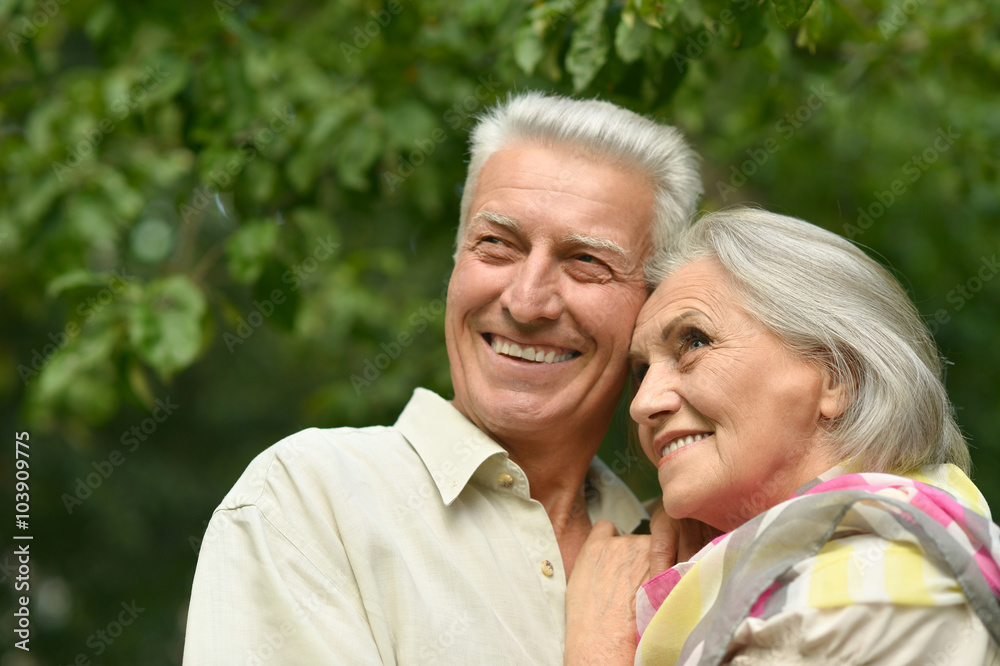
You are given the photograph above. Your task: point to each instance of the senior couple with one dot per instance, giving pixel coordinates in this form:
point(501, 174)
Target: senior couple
point(783, 385)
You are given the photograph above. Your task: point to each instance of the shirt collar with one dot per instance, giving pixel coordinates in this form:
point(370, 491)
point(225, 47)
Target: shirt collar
point(613, 500)
point(451, 446)
point(453, 449)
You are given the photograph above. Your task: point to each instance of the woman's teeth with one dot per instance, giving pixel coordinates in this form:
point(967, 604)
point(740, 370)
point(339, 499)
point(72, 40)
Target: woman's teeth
point(682, 441)
point(529, 353)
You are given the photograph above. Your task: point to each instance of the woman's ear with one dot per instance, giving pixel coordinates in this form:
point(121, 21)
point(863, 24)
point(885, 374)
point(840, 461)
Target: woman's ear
point(834, 397)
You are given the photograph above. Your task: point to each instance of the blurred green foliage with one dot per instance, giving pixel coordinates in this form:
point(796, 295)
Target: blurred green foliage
point(224, 221)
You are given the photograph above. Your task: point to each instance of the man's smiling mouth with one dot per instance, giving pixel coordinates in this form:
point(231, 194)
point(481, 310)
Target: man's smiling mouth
point(534, 353)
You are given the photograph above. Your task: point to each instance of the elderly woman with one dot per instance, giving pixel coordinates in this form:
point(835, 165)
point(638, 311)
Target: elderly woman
point(790, 396)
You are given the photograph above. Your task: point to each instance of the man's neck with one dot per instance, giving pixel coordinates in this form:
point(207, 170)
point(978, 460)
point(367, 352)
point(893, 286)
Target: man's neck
point(559, 486)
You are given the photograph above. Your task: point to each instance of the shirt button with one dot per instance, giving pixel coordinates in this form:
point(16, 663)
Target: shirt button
point(505, 480)
point(547, 568)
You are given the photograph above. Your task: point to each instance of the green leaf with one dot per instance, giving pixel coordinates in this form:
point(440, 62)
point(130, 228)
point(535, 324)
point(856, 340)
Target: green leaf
point(588, 49)
point(358, 149)
point(631, 37)
point(35, 201)
point(139, 383)
point(814, 26)
point(529, 49)
point(81, 355)
point(73, 279)
point(249, 248)
point(659, 13)
point(790, 12)
point(751, 26)
point(165, 329)
point(407, 121)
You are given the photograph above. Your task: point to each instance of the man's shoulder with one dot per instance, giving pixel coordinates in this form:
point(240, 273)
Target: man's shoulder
point(317, 460)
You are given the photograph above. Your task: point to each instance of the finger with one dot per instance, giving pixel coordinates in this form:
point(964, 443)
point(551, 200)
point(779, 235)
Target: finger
point(690, 541)
point(602, 529)
point(695, 535)
point(663, 542)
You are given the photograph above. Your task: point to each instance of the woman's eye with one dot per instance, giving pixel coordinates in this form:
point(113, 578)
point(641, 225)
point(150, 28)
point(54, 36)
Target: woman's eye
point(693, 339)
point(639, 373)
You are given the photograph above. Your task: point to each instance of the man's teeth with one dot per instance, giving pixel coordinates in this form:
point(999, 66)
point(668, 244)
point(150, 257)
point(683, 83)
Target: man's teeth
point(529, 353)
point(682, 441)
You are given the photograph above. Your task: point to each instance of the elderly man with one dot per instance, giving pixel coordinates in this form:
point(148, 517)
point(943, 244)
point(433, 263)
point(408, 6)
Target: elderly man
point(449, 537)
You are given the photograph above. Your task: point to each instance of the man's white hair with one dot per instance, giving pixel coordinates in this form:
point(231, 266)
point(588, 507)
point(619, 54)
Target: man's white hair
point(831, 303)
point(603, 131)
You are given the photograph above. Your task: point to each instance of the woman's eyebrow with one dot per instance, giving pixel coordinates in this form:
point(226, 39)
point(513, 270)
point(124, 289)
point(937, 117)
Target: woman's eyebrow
point(675, 323)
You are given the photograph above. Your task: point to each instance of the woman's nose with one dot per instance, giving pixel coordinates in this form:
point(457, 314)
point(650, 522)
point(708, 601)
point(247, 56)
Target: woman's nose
point(657, 397)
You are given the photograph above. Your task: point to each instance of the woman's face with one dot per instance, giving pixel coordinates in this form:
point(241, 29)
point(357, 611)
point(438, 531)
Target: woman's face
point(728, 414)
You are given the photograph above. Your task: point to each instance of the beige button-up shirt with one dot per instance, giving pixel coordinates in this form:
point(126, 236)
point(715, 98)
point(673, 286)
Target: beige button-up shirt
point(412, 544)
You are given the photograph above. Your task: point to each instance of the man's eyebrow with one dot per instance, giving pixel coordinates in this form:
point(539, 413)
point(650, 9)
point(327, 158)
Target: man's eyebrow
point(498, 219)
point(597, 243)
point(593, 242)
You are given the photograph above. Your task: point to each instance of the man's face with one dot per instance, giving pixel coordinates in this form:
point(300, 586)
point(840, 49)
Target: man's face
point(550, 268)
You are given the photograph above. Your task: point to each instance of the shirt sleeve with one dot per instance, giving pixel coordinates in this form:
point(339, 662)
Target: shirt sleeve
point(866, 633)
point(258, 597)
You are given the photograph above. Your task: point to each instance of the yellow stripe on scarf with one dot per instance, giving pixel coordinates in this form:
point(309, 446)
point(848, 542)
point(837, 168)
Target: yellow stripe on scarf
point(952, 479)
point(904, 575)
point(828, 582)
point(673, 622)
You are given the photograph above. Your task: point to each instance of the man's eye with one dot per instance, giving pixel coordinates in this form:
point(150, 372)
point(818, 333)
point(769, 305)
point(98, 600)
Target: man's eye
point(588, 259)
point(639, 373)
point(492, 239)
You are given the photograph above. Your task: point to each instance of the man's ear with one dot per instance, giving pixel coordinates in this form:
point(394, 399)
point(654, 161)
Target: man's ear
point(834, 398)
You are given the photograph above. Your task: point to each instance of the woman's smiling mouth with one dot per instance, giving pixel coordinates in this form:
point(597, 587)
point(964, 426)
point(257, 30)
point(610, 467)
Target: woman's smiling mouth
point(681, 442)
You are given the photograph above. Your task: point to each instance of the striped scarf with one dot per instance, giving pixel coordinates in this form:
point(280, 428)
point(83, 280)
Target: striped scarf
point(821, 541)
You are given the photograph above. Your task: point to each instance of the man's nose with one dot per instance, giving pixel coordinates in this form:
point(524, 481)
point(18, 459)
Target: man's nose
point(533, 293)
point(657, 397)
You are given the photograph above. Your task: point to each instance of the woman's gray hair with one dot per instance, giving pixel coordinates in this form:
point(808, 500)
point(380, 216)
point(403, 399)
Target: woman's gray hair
point(830, 302)
point(604, 131)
